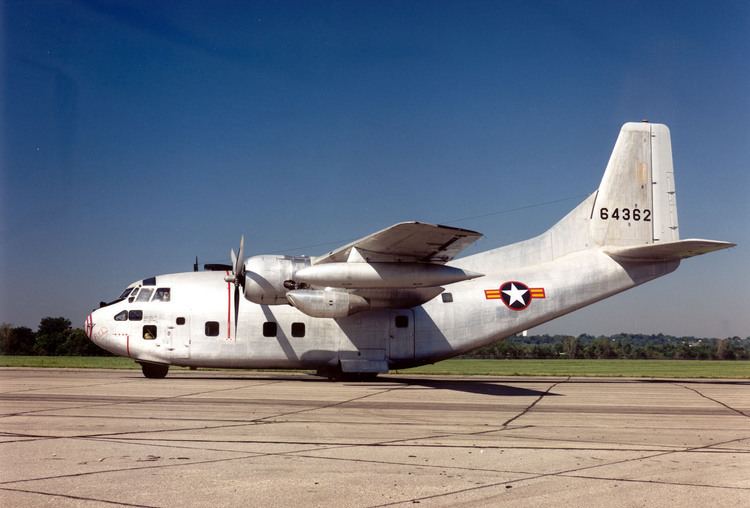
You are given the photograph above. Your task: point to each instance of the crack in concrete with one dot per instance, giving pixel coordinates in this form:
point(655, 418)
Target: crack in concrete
point(741, 413)
point(77, 498)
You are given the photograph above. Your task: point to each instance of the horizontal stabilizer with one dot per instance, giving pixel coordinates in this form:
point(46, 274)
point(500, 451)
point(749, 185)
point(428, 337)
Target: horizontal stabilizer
point(667, 251)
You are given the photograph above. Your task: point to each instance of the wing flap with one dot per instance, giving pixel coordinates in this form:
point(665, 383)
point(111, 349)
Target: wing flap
point(406, 242)
point(668, 251)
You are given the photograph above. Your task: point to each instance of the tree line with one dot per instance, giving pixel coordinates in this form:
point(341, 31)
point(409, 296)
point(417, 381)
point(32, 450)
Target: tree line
point(56, 337)
point(622, 345)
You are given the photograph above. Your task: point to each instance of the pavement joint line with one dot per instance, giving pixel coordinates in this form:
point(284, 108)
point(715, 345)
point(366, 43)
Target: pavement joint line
point(256, 421)
point(531, 406)
point(64, 387)
point(496, 484)
point(126, 469)
point(565, 473)
point(331, 405)
point(387, 444)
point(78, 498)
point(742, 413)
point(317, 448)
point(505, 424)
point(657, 482)
point(250, 454)
point(141, 400)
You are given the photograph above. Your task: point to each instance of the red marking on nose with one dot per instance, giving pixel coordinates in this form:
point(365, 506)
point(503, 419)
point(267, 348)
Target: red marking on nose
point(88, 326)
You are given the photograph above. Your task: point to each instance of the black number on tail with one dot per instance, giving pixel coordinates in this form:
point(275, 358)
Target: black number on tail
point(635, 214)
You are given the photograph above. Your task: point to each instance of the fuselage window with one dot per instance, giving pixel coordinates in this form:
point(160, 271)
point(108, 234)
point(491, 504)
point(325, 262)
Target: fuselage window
point(447, 297)
point(149, 332)
point(180, 320)
point(121, 316)
point(144, 295)
point(269, 329)
point(298, 329)
point(162, 295)
point(212, 328)
point(135, 315)
point(402, 321)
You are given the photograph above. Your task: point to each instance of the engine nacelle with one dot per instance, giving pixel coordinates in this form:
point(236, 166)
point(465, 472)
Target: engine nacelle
point(268, 278)
point(327, 303)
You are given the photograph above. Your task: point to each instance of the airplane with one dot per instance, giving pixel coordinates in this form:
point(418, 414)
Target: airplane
point(400, 297)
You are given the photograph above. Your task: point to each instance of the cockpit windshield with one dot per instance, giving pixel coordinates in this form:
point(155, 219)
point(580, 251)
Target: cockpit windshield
point(144, 295)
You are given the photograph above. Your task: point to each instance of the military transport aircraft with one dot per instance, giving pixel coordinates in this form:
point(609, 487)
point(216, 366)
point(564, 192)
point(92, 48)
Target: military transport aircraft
point(399, 297)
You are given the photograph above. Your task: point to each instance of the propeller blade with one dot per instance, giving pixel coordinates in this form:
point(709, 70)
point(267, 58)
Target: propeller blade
point(239, 262)
point(238, 278)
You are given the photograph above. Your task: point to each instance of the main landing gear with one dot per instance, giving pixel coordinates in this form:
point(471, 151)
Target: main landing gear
point(154, 370)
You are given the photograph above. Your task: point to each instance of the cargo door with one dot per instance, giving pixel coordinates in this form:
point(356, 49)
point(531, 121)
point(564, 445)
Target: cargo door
point(401, 335)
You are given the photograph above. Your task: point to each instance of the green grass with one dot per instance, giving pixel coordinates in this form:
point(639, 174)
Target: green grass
point(608, 368)
point(69, 362)
point(614, 368)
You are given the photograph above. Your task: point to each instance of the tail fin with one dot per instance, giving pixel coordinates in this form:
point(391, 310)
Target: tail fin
point(635, 203)
point(633, 214)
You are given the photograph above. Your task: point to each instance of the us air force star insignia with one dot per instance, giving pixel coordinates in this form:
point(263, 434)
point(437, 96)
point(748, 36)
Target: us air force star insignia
point(515, 295)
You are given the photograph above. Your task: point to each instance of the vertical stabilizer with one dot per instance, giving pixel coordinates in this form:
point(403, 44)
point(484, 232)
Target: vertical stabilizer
point(635, 203)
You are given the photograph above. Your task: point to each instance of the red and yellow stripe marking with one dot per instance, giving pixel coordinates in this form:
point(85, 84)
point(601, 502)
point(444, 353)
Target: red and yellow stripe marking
point(537, 292)
point(492, 294)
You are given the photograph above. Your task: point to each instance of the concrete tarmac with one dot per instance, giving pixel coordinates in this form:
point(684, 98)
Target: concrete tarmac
point(199, 438)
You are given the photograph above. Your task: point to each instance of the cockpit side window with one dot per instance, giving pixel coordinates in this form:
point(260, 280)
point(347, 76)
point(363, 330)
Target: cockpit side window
point(162, 295)
point(125, 293)
point(121, 316)
point(144, 295)
point(133, 294)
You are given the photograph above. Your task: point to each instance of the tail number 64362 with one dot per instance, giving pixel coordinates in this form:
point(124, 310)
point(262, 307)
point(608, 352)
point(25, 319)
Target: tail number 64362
point(634, 214)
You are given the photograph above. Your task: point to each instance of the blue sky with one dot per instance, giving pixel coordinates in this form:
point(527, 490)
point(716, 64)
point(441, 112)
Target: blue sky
point(137, 135)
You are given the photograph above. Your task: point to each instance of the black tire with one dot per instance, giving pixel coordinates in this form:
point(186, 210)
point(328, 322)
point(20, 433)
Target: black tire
point(155, 370)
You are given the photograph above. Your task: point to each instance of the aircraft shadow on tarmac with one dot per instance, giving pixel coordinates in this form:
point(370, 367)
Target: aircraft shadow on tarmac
point(470, 386)
point(480, 387)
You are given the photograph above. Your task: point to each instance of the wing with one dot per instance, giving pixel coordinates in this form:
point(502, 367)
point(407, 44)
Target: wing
point(414, 242)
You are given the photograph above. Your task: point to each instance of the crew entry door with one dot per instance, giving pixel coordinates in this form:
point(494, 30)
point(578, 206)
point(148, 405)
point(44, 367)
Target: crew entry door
point(401, 335)
point(177, 338)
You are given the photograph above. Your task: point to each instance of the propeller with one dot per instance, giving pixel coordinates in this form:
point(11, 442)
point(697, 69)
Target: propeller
point(237, 278)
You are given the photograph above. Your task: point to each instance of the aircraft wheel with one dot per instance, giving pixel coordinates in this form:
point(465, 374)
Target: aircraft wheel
point(155, 370)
